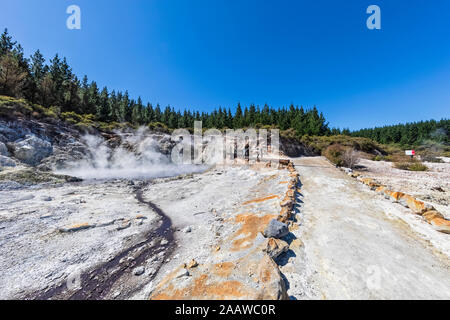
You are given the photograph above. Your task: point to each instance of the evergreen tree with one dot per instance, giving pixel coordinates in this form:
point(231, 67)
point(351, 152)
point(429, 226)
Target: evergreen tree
point(103, 107)
point(238, 120)
point(6, 43)
point(12, 76)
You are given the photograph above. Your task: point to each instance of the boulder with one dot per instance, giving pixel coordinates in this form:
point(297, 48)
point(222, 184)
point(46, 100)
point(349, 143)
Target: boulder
point(374, 186)
point(395, 196)
point(192, 264)
point(284, 215)
point(287, 202)
point(31, 150)
point(7, 162)
point(441, 225)
point(124, 225)
point(275, 247)
point(290, 193)
point(416, 206)
point(347, 170)
point(254, 277)
point(276, 229)
point(296, 244)
point(432, 214)
point(3, 150)
point(76, 227)
point(274, 287)
point(138, 271)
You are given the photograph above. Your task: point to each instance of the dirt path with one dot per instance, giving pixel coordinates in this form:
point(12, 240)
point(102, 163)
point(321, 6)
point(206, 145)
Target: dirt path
point(353, 249)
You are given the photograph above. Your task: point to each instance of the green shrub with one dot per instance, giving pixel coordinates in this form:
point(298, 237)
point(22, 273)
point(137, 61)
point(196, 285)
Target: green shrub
point(418, 166)
point(289, 134)
point(411, 166)
point(402, 165)
point(110, 126)
point(159, 126)
point(378, 158)
point(335, 154)
point(11, 107)
point(71, 117)
point(318, 144)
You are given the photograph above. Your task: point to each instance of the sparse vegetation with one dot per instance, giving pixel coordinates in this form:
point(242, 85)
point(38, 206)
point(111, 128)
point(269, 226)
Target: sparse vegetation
point(411, 166)
point(350, 158)
point(318, 144)
point(33, 176)
point(343, 156)
point(334, 153)
point(418, 166)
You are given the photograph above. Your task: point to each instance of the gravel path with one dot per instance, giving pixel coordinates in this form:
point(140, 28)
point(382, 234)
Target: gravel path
point(356, 246)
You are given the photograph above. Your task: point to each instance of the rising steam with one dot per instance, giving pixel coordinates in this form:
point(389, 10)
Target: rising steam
point(138, 157)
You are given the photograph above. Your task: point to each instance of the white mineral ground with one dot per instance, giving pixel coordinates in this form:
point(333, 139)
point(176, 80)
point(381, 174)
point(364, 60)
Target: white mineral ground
point(353, 243)
point(432, 186)
point(358, 245)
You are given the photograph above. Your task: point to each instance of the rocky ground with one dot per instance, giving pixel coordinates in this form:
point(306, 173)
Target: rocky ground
point(220, 217)
point(53, 234)
point(96, 239)
point(115, 233)
point(137, 226)
point(359, 245)
point(432, 186)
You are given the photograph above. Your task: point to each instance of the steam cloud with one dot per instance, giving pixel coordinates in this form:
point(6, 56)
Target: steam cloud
point(143, 162)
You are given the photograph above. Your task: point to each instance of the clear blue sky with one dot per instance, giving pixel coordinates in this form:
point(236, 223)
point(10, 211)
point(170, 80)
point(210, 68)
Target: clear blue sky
point(206, 54)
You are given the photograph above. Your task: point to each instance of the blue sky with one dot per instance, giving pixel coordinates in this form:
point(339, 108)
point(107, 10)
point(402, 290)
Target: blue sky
point(206, 54)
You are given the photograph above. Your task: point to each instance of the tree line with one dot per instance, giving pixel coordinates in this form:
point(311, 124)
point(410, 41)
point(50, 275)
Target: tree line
point(55, 84)
point(409, 134)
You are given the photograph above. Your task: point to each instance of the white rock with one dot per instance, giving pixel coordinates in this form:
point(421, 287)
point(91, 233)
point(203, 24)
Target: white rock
point(124, 225)
point(182, 273)
point(6, 162)
point(31, 150)
point(138, 271)
point(3, 149)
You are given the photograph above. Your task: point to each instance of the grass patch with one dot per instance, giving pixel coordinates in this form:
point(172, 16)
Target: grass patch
point(32, 176)
point(411, 166)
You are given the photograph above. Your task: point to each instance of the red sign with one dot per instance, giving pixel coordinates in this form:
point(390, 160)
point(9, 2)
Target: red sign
point(410, 152)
